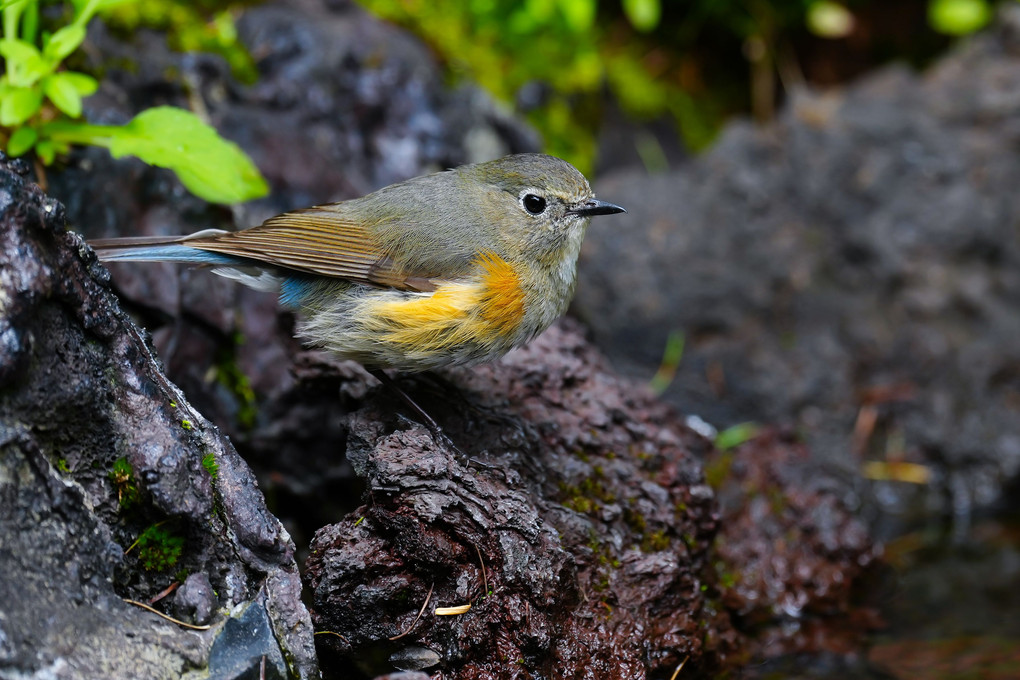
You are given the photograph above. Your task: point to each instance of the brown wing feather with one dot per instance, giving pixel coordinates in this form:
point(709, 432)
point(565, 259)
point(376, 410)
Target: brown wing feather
point(318, 241)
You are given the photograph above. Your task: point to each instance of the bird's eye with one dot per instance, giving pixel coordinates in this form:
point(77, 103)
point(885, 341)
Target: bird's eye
point(534, 204)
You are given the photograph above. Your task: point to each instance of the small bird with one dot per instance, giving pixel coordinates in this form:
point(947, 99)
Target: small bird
point(456, 267)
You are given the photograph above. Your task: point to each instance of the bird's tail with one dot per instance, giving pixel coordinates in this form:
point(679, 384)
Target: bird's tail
point(176, 249)
point(158, 249)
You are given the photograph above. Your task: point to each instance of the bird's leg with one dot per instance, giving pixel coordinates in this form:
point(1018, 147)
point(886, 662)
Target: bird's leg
point(433, 427)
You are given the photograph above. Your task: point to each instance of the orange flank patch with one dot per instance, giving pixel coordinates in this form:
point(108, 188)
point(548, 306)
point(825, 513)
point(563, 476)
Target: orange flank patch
point(485, 311)
point(502, 303)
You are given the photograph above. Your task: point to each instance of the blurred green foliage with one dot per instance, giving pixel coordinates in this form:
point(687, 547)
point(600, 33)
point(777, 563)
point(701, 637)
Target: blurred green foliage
point(695, 62)
point(190, 26)
point(41, 106)
point(959, 17)
point(558, 55)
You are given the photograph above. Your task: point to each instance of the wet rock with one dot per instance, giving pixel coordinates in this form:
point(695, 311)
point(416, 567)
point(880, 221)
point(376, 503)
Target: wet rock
point(575, 525)
point(857, 259)
point(195, 599)
point(114, 487)
point(246, 647)
point(795, 554)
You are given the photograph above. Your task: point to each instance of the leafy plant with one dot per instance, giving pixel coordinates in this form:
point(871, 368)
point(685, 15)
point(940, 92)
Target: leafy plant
point(40, 102)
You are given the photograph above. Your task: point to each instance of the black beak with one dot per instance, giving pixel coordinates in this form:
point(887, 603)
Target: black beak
point(596, 207)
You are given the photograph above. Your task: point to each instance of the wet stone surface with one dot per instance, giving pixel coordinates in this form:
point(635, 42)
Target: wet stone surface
point(114, 487)
point(586, 505)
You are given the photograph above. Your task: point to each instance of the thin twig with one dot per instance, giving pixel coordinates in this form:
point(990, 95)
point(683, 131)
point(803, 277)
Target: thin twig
point(169, 589)
point(485, 579)
point(332, 632)
point(168, 618)
point(420, 612)
point(680, 667)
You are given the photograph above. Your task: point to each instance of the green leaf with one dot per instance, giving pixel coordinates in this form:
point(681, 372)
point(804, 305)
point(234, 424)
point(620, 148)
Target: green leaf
point(736, 435)
point(25, 64)
point(64, 95)
point(46, 150)
point(64, 42)
point(643, 15)
point(83, 84)
point(209, 166)
point(21, 141)
point(18, 50)
point(958, 17)
point(18, 105)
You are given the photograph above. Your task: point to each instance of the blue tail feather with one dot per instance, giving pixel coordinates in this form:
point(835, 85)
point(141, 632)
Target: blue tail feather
point(164, 253)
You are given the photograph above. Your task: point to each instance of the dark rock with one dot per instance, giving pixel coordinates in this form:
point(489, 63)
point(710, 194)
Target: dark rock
point(577, 525)
point(113, 485)
point(194, 600)
point(795, 556)
point(247, 648)
point(570, 527)
point(860, 256)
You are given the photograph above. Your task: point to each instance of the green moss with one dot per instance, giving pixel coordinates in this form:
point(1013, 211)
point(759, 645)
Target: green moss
point(210, 465)
point(718, 469)
point(62, 466)
point(635, 520)
point(588, 496)
point(579, 503)
point(158, 548)
point(655, 541)
point(123, 477)
point(231, 377)
point(777, 501)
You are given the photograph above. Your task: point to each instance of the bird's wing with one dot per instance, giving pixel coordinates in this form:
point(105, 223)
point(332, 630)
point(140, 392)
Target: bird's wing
point(319, 241)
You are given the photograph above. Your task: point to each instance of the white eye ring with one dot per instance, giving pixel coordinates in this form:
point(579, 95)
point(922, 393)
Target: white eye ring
point(533, 202)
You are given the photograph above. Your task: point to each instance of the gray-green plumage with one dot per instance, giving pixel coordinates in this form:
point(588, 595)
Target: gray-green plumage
point(340, 263)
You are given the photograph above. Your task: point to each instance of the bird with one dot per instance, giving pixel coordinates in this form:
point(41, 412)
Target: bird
point(451, 268)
